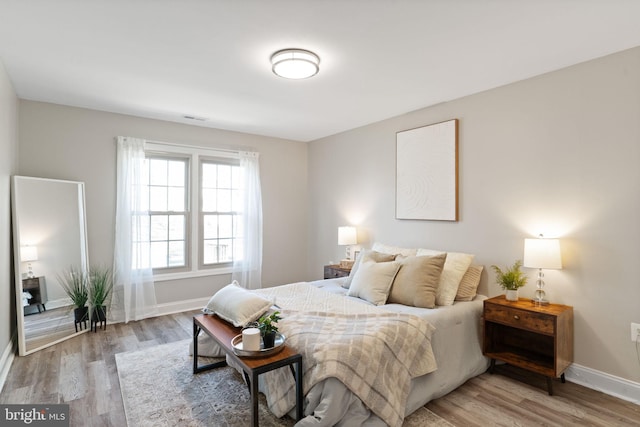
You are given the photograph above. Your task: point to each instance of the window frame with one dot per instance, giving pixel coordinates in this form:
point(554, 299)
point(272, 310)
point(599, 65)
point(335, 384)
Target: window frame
point(201, 213)
point(194, 154)
point(150, 155)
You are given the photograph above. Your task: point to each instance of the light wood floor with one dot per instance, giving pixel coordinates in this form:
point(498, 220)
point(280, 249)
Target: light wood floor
point(82, 372)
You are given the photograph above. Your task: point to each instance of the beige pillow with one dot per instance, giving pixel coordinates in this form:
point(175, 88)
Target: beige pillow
point(454, 268)
point(373, 280)
point(237, 305)
point(367, 255)
point(469, 284)
point(393, 250)
point(417, 281)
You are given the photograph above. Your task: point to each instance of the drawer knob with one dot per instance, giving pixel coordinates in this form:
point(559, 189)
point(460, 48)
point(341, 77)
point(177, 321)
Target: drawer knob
point(516, 317)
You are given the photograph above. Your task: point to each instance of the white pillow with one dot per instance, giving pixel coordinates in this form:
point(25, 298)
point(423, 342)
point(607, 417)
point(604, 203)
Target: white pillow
point(366, 255)
point(393, 250)
point(373, 280)
point(454, 268)
point(237, 305)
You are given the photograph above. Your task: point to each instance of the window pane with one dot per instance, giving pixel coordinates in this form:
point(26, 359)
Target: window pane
point(158, 196)
point(210, 252)
point(208, 200)
point(176, 254)
point(157, 172)
point(224, 200)
point(209, 175)
point(210, 225)
point(236, 177)
point(176, 201)
point(236, 200)
point(159, 227)
point(225, 250)
point(224, 176)
point(158, 254)
point(176, 227)
point(225, 228)
point(176, 173)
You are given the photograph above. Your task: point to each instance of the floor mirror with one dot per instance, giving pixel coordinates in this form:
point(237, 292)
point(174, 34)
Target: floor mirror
point(49, 239)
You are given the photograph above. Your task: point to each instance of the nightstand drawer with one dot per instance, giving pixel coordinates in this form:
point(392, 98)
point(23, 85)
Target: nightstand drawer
point(522, 319)
point(335, 271)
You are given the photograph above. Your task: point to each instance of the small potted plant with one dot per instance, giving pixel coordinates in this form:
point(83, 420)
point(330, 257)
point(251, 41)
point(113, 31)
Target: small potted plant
point(511, 279)
point(268, 328)
point(74, 284)
point(100, 288)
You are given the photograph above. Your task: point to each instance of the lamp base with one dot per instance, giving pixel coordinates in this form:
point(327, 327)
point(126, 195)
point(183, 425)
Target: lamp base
point(539, 302)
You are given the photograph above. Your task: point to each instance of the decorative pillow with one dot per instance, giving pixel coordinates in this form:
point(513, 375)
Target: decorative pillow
point(373, 280)
point(237, 305)
point(454, 268)
point(469, 283)
point(417, 281)
point(393, 250)
point(367, 255)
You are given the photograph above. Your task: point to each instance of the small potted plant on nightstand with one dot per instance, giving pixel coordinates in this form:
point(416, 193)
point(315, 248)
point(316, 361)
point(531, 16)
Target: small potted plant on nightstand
point(268, 328)
point(511, 279)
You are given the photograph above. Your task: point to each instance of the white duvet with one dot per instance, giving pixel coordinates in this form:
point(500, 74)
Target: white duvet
point(375, 353)
point(455, 342)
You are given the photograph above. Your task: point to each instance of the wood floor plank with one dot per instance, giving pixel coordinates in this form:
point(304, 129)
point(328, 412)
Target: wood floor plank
point(73, 380)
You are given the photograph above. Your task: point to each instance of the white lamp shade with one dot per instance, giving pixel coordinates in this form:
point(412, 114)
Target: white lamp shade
point(28, 253)
point(542, 253)
point(347, 236)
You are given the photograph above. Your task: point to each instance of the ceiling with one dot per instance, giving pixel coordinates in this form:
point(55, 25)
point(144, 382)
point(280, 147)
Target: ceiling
point(167, 59)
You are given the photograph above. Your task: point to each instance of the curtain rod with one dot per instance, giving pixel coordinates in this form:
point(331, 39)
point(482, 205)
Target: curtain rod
point(228, 150)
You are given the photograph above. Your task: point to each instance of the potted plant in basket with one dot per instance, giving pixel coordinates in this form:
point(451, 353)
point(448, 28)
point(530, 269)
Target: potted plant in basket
point(74, 284)
point(511, 279)
point(268, 328)
point(100, 289)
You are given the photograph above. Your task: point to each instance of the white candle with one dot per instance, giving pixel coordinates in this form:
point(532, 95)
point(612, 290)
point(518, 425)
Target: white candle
point(251, 339)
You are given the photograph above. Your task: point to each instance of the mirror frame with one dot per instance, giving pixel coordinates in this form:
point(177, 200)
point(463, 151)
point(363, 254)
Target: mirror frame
point(84, 254)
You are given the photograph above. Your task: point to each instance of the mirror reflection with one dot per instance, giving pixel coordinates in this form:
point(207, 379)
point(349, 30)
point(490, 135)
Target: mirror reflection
point(49, 239)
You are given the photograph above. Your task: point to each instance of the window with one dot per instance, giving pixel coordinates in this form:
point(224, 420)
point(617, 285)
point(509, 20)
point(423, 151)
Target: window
point(220, 200)
point(194, 203)
point(168, 211)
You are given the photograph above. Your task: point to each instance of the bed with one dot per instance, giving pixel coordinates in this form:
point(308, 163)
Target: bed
point(368, 364)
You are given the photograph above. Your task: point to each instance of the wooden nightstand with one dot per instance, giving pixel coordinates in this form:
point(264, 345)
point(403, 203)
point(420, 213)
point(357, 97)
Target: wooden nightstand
point(37, 288)
point(334, 271)
point(536, 338)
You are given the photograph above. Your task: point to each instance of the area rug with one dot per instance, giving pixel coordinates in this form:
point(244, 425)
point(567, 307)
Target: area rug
point(159, 389)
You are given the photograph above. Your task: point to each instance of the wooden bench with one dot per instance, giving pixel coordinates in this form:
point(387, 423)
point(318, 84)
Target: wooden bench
point(223, 332)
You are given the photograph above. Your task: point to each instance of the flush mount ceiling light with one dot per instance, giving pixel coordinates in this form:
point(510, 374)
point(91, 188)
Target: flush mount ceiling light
point(295, 63)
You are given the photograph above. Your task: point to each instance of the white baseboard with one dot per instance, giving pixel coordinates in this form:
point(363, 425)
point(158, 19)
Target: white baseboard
point(5, 362)
point(606, 383)
point(180, 306)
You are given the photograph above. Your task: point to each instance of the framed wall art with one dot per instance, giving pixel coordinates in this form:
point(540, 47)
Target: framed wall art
point(427, 172)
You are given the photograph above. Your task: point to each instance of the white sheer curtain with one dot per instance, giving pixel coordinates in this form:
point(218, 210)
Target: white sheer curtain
point(134, 290)
point(248, 271)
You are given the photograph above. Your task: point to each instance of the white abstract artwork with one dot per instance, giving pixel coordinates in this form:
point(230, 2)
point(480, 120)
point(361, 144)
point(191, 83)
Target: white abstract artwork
point(427, 172)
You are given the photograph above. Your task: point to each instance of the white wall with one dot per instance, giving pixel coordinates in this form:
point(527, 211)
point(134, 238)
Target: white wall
point(8, 153)
point(78, 144)
point(557, 154)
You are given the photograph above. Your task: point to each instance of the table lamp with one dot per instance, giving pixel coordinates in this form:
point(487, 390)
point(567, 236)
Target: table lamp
point(28, 254)
point(347, 236)
point(542, 253)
